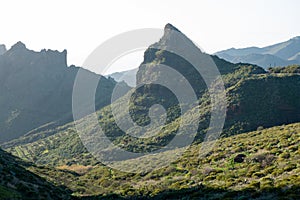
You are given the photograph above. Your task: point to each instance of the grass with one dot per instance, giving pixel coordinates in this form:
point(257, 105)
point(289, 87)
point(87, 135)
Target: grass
point(271, 169)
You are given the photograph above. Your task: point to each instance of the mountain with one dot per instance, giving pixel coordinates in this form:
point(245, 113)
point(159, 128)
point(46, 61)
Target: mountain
point(254, 99)
point(281, 54)
point(36, 90)
point(128, 77)
point(16, 182)
point(2, 49)
point(248, 109)
point(256, 156)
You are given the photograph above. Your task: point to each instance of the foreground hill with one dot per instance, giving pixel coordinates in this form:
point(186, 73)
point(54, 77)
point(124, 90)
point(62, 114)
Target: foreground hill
point(281, 54)
point(36, 89)
point(16, 182)
point(257, 165)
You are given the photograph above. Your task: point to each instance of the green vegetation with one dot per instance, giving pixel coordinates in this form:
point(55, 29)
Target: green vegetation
point(16, 182)
point(288, 69)
point(248, 108)
point(270, 169)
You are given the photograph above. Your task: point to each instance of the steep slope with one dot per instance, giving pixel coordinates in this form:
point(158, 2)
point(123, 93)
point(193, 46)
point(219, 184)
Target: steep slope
point(266, 100)
point(36, 89)
point(281, 54)
point(274, 103)
point(16, 182)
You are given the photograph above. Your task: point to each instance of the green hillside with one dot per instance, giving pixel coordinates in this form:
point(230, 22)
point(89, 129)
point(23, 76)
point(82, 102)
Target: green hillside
point(248, 109)
point(269, 168)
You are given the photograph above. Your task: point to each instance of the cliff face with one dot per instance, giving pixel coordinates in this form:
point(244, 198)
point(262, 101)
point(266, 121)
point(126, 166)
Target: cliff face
point(158, 54)
point(36, 89)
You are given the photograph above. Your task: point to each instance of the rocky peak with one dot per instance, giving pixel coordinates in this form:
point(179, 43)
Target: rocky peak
point(169, 26)
point(44, 58)
point(168, 51)
point(18, 46)
point(55, 57)
point(173, 37)
point(2, 49)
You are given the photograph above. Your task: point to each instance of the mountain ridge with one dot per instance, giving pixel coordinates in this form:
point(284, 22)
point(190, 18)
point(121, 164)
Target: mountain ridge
point(36, 89)
point(253, 95)
point(282, 54)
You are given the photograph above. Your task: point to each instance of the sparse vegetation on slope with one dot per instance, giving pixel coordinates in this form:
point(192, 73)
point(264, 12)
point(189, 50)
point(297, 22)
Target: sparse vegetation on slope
point(16, 182)
point(248, 108)
point(260, 164)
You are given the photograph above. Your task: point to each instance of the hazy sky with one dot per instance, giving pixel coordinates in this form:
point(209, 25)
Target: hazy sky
point(80, 26)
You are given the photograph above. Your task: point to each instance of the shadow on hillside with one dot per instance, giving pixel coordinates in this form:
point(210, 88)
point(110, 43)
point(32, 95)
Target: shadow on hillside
point(202, 192)
point(17, 182)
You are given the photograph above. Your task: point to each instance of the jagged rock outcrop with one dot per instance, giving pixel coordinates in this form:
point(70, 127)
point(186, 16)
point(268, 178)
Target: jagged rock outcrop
point(156, 55)
point(2, 49)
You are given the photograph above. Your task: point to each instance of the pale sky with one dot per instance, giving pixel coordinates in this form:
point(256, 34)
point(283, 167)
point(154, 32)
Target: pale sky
point(81, 26)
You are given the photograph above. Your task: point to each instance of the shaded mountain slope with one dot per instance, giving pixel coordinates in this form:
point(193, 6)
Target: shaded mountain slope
point(36, 89)
point(16, 182)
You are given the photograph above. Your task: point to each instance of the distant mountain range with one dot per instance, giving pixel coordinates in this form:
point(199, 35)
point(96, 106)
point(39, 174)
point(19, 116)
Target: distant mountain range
point(128, 76)
point(281, 54)
point(36, 90)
